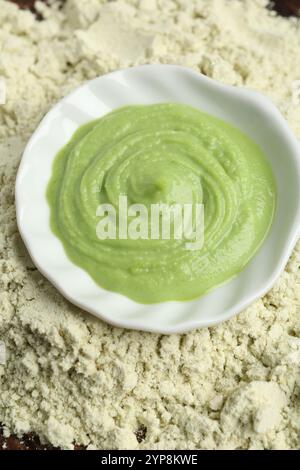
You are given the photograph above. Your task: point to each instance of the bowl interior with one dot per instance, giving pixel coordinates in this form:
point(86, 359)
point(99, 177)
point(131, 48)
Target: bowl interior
point(245, 109)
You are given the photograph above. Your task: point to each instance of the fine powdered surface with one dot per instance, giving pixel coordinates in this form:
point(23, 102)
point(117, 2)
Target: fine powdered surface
point(73, 379)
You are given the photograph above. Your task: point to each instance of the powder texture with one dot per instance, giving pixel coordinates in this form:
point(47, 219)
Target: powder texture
point(72, 378)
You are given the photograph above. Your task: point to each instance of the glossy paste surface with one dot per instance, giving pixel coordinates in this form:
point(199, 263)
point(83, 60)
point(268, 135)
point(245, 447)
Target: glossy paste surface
point(164, 153)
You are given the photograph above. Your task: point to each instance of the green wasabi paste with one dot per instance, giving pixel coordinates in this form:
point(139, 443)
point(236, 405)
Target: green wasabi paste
point(171, 154)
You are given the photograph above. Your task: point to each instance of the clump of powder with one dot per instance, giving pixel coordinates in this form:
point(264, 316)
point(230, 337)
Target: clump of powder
point(71, 378)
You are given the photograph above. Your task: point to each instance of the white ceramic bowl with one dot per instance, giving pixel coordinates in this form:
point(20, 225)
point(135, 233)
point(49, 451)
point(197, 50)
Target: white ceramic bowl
point(246, 109)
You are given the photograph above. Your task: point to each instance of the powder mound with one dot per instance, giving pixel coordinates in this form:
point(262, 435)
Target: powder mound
point(253, 408)
point(71, 378)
